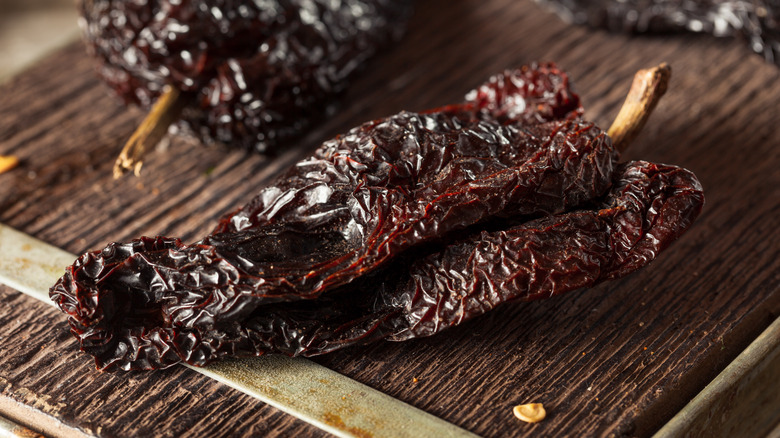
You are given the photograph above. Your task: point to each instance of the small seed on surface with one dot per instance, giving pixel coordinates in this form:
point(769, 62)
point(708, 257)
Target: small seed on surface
point(530, 413)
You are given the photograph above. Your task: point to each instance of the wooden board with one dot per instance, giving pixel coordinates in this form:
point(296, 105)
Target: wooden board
point(617, 360)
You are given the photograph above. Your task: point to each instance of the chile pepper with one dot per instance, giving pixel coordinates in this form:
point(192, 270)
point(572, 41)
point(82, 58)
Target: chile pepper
point(757, 22)
point(290, 271)
point(648, 207)
point(249, 75)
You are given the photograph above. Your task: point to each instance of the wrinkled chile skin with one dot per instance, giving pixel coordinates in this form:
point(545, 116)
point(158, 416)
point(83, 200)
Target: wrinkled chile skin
point(515, 149)
point(648, 208)
point(254, 73)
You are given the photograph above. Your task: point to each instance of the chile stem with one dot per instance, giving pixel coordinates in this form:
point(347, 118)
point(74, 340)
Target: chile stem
point(646, 90)
point(151, 130)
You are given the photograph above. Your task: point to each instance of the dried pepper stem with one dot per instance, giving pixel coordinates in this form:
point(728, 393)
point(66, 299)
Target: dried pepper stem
point(165, 111)
point(646, 90)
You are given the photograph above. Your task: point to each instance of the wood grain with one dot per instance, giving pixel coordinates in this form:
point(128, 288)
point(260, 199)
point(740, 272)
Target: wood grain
point(618, 360)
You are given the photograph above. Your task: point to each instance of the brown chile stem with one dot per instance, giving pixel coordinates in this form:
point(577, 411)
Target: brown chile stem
point(152, 129)
point(646, 90)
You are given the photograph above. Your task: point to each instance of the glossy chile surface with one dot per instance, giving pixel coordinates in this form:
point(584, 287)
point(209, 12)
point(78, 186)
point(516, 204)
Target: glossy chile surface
point(252, 74)
point(367, 238)
point(757, 22)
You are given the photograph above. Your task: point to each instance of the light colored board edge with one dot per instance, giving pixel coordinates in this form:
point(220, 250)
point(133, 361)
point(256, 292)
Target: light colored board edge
point(21, 420)
point(299, 387)
point(9, 429)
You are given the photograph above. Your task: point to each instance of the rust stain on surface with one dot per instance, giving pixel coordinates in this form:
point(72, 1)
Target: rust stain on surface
point(23, 264)
point(24, 432)
point(336, 421)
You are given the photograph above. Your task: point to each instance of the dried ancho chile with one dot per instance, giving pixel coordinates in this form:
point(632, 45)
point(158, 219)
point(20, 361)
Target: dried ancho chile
point(755, 21)
point(397, 229)
point(246, 74)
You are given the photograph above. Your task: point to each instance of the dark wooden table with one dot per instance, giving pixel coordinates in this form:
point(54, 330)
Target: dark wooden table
point(618, 360)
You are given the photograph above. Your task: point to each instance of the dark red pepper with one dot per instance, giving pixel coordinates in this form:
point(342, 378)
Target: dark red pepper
point(253, 74)
point(290, 271)
point(648, 207)
point(757, 22)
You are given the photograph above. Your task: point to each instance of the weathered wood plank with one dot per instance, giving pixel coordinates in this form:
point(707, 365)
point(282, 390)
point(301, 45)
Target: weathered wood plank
point(617, 360)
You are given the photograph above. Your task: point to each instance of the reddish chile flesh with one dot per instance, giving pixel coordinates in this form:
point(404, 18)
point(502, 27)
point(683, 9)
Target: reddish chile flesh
point(648, 208)
point(334, 221)
point(254, 73)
